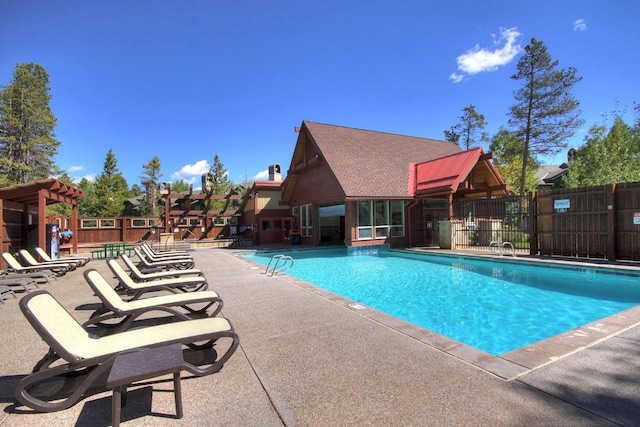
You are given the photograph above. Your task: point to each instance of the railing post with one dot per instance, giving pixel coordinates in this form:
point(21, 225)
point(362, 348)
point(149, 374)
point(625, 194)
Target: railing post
point(533, 223)
point(611, 222)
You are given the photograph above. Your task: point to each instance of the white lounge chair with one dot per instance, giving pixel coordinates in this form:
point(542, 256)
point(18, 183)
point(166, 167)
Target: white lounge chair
point(114, 307)
point(169, 264)
point(164, 256)
point(140, 276)
point(155, 252)
point(14, 266)
point(92, 356)
point(126, 283)
point(23, 282)
point(80, 260)
point(29, 260)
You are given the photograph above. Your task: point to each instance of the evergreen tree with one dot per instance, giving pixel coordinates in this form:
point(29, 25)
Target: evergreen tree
point(135, 191)
point(545, 113)
point(452, 135)
point(507, 152)
point(111, 189)
point(217, 183)
point(27, 140)
point(607, 156)
point(88, 205)
point(180, 187)
point(470, 129)
point(151, 181)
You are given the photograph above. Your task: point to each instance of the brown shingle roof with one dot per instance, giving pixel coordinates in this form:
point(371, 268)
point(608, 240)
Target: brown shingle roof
point(374, 164)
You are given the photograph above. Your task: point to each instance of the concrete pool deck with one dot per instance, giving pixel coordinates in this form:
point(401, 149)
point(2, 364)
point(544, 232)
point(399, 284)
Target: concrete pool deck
point(308, 357)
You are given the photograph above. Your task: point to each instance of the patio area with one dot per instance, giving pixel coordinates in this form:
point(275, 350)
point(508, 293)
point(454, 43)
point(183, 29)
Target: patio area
point(307, 359)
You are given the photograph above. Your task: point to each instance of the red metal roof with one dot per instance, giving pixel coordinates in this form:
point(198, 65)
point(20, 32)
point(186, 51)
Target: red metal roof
point(444, 175)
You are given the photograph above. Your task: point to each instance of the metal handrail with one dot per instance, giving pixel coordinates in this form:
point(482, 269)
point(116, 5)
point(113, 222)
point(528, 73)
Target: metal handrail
point(506, 248)
point(287, 263)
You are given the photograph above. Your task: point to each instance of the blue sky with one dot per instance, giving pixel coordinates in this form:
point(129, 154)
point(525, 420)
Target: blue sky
point(186, 80)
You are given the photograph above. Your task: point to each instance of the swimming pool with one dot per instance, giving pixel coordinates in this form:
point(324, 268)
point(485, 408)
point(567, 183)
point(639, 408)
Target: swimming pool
point(493, 306)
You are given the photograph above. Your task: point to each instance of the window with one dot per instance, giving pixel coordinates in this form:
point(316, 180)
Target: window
point(365, 220)
point(306, 228)
point(107, 223)
point(138, 222)
point(218, 220)
point(397, 218)
point(266, 225)
point(194, 221)
point(89, 223)
point(383, 216)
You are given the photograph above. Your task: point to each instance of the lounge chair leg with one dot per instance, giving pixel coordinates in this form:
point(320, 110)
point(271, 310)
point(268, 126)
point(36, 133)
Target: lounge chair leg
point(117, 404)
point(177, 391)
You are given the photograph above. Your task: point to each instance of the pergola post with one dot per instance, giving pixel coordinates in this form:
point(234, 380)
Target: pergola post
point(42, 218)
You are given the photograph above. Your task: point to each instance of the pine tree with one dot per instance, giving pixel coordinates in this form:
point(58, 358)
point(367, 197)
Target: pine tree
point(545, 113)
point(470, 129)
point(27, 140)
point(217, 182)
point(111, 189)
point(151, 181)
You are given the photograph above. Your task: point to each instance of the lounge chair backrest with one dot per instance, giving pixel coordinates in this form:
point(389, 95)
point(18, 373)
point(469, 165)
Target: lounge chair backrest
point(120, 274)
point(154, 256)
point(43, 254)
point(148, 252)
point(11, 261)
point(142, 256)
point(104, 291)
point(130, 265)
point(29, 259)
point(55, 325)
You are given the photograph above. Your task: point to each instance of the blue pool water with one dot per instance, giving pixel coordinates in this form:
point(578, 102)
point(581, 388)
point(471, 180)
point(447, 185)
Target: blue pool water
point(493, 306)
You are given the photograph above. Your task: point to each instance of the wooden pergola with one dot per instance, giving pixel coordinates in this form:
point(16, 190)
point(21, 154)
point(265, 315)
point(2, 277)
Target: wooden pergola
point(33, 198)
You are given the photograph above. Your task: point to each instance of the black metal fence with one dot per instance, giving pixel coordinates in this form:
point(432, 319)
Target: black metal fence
point(483, 223)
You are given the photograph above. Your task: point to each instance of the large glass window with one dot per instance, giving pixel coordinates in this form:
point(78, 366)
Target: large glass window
point(306, 226)
point(383, 216)
point(365, 220)
point(397, 218)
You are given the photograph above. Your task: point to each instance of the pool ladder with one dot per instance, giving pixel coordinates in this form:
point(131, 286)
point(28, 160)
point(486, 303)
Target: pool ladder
point(283, 261)
point(506, 248)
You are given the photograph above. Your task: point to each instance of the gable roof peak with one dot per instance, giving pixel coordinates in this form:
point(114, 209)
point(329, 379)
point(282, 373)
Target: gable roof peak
point(379, 132)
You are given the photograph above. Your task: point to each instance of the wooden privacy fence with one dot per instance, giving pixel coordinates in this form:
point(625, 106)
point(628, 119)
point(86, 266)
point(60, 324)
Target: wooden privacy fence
point(135, 229)
point(594, 222)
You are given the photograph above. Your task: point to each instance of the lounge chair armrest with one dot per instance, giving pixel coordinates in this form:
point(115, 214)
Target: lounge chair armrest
point(126, 325)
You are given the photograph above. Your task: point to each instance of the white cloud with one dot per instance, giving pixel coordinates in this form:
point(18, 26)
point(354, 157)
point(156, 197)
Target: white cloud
point(479, 60)
point(457, 78)
point(191, 173)
point(262, 175)
point(76, 168)
point(580, 25)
